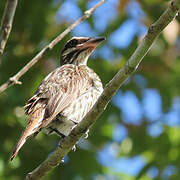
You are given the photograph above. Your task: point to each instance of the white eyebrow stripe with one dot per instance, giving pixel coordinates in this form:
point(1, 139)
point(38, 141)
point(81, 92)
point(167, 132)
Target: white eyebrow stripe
point(78, 38)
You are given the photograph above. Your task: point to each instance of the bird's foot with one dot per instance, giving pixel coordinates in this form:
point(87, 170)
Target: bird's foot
point(86, 134)
point(74, 148)
point(62, 161)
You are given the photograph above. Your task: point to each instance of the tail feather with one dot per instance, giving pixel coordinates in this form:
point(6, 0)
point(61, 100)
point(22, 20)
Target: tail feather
point(18, 146)
point(34, 124)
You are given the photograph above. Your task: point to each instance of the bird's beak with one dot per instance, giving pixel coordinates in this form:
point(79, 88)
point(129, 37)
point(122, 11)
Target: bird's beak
point(91, 43)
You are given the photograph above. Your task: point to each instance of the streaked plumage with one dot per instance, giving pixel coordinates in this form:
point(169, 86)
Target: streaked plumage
point(66, 94)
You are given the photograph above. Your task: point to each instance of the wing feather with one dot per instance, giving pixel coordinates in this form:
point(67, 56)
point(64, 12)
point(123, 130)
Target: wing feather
point(62, 87)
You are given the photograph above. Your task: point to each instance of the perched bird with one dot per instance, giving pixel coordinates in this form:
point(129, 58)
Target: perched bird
point(66, 95)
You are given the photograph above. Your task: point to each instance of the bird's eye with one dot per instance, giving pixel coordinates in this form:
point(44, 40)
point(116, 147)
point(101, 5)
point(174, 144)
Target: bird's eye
point(83, 40)
point(73, 43)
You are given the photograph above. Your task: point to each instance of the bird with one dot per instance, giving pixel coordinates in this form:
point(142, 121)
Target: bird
point(66, 95)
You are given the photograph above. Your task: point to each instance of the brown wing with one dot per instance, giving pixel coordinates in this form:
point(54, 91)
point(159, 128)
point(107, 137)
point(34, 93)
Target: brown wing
point(55, 93)
point(60, 88)
point(68, 84)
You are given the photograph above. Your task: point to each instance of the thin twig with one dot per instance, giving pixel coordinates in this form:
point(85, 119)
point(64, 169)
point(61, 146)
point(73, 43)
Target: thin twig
point(15, 79)
point(67, 143)
point(6, 23)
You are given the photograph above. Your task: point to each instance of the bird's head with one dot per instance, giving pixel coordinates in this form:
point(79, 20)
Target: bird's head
point(78, 49)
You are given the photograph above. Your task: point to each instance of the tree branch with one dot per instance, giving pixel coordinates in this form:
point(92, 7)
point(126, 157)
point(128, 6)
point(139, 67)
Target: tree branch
point(68, 142)
point(6, 23)
point(15, 79)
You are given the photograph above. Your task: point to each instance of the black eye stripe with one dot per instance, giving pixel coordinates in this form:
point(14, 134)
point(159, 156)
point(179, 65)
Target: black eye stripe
point(71, 52)
point(72, 43)
point(82, 40)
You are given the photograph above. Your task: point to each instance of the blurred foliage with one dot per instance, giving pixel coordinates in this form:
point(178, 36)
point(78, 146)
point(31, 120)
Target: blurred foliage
point(36, 23)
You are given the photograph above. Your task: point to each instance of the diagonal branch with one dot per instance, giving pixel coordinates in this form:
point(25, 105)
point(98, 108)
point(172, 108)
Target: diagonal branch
point(15, 79)
point(68, 142)
point(6, 23)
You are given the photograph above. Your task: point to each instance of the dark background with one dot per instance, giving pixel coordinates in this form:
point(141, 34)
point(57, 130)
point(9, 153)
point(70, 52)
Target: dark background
point(138, 136)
